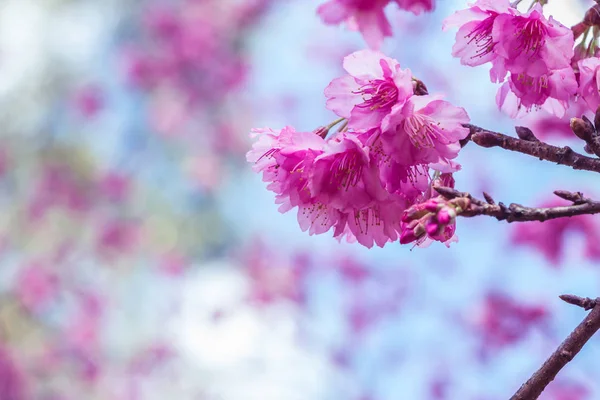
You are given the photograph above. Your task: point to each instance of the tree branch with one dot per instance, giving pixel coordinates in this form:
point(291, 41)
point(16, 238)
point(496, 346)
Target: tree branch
point(568, 349)
point(533, 147)
point(518, 213)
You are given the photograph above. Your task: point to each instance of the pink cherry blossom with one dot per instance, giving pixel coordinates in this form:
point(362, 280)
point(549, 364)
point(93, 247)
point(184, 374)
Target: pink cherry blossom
point(347, 193)
point(552, 93)
point(378, 224)
point(375, 84)
point(332, 183)
point(366, 16)
point(521, 43)
point(475, 44)
point(344, 177)
point(589, 79)
point(534, 50)
point(424, 130)
point(286, 159)
point(531, 44)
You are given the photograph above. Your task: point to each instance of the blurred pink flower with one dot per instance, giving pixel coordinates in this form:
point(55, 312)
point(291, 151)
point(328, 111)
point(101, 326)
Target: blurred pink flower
point(117, 236)
point(151, 357)
point(81, 340)
point(58, 186)
point(173, 264)
point(114, 186)
point(366, 16)
point(89, 100)
point(502, 321)
point(36, 286)
point(549, 237)
point(565, 391)
point(547, 126)
point(274, 278)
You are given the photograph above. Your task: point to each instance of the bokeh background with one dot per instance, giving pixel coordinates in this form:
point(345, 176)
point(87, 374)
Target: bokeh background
point(141, 258)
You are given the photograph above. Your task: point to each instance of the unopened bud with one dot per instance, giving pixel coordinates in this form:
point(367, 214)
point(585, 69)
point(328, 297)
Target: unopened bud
point(597, 119)
point(419, 88)
point(582, 129)
point(433, 228)
point(411, 232)
point(526, 134)
point(445, 215)
point(433, 204)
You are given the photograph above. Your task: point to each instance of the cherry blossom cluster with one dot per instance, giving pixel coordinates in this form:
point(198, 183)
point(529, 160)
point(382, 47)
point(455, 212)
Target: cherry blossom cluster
point(393, 143)
point(534, 56)
point(368, 17)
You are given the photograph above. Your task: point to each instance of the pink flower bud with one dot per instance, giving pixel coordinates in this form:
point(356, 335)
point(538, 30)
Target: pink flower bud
point(407, 236)
point(432, 227)
point(433, 204)
point(445, 215)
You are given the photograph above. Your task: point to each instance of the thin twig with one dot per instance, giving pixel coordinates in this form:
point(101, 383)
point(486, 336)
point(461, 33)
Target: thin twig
point(568, 349)
point(518, 213)
point(544, 151)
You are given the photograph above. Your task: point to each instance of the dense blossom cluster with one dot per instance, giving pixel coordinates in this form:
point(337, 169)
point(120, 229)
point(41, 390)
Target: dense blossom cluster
point(534, 57)
point(368, 17)
point(530, 53)
point(361, 179)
